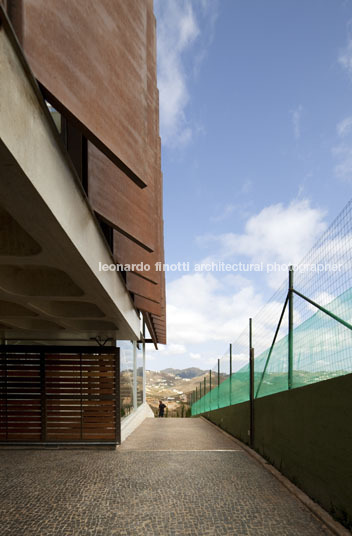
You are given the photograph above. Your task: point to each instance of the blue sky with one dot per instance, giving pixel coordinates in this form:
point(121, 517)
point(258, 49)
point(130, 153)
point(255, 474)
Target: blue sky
point(256, 127)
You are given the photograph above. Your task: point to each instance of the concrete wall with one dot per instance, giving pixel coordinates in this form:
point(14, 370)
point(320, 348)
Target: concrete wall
point(307, 434)
point(233, 419)
point(131, 423)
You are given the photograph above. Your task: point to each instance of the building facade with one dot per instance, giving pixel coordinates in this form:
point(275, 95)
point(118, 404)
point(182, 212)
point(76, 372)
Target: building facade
point(81, 220)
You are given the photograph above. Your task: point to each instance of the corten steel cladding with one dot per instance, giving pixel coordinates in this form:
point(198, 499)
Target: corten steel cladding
point(96, 63)
point(105, 50)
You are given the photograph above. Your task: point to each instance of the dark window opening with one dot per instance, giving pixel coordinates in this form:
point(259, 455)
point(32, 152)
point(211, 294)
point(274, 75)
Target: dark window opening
point(75, 143)
point(85, 164)
point(108, 232)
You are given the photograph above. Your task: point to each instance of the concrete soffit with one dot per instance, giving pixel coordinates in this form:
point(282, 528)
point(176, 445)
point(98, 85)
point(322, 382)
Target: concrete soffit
point(51, 288)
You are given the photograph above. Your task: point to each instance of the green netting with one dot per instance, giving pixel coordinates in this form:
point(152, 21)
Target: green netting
point(227, 390)
point(231, 391)
point(322, 347)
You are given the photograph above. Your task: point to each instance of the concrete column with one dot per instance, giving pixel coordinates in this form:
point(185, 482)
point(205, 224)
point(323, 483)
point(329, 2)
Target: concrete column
point(134, 375)
point(144, 375)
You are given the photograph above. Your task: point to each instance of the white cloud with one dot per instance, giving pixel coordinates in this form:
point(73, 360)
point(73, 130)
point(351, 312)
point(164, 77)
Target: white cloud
point(178, 30)
point(322, 298)
point(343, 155)
point(278, 233)
point(164, 351)
point(173, 349)
point(201, 308)
point(202, 312)
point(224, 214)
point(247, 186)
point(344, 127)
point(238, 361)
point(345, 57)
point(242, 210)
point(343, 151)
point(207, 310)
point(296, 116)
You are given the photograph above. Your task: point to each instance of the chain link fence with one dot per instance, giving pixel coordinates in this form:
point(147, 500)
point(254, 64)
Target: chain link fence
point(313, 340)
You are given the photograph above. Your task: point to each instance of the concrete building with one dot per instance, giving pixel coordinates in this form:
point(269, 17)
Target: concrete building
point(80, 193)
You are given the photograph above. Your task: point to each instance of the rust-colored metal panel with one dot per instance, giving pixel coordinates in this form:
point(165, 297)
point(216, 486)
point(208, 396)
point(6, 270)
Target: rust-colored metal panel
point(97, 62)
point(161, 327)
point(147, 305)
point(121, 202)
point(97, 58)
point(149, 324)
point(160, 332)
point(142, 287)
point(127, 252)
point(159, 323)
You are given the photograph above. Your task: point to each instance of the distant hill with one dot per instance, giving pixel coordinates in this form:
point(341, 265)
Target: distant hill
point(189, 373)
point(173, 386)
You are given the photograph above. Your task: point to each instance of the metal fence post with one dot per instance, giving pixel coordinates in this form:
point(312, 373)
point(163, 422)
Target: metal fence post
point(210, 388)
point(290, 327)
point(218, 383)
point(251, 385)
point(230, 397)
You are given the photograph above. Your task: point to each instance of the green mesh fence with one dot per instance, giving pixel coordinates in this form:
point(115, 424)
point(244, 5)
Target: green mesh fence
point(322, 347)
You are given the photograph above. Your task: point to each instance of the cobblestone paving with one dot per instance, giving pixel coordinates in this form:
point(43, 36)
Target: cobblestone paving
point(177, 434)
point(152, 491)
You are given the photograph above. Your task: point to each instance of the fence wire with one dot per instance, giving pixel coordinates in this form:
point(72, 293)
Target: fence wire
point(322, 347)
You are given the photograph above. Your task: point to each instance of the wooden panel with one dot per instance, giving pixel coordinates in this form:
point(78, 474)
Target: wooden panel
point(106, 51)
point(119, 201)
point(58, 397)
point(146, 305)
point(84, 49)
point(142, 287)
point(128, 252)
point(80, 393)
point(20, 389)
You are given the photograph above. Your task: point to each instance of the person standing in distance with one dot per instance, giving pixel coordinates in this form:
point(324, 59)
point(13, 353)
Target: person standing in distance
point(161, 408)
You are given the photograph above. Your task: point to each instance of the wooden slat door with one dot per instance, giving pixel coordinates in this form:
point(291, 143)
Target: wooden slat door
point(21, 398)
point(59, 397)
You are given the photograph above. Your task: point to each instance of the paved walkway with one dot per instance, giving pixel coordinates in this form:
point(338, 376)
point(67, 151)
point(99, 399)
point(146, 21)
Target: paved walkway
point(171, 477)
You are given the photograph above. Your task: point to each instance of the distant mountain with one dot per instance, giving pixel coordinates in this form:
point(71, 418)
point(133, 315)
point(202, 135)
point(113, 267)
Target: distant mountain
point(189, 373)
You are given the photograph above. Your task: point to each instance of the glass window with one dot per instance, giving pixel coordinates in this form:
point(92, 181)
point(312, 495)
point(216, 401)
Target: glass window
point(56, 116)
point(126, 379)
point(140, 374)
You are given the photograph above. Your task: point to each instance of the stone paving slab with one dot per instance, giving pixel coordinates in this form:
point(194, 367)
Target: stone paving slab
point(177, 434)
point(147, 493)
